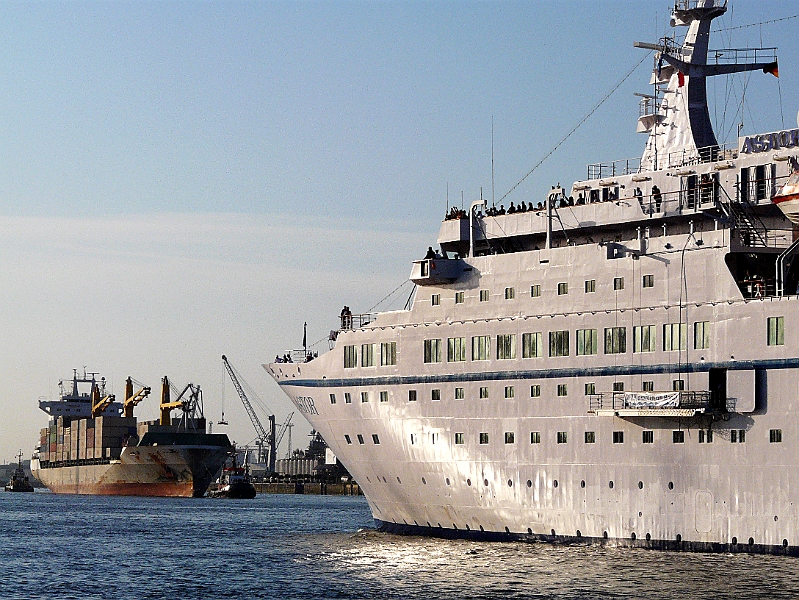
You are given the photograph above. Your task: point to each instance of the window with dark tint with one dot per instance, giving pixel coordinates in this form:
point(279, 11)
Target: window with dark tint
point(360, 439)
point(775, 436)
point(535, 391)
point(590, 437)
point(458, 438)
point(678, 437)
point(562, 437)
point(346, 437)
point(535, 437)
point(648, 281)
point(618, 437)
point(411, 395)
point(648, 437)
point(483, 438)
point(509, 437)
point(375, 439)
point(332, 398)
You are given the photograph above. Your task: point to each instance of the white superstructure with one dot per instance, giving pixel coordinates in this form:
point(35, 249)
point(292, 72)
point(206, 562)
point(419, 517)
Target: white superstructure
point(617, 363)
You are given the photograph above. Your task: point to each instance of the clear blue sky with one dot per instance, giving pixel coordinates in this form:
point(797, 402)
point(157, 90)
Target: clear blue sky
point(183, 179)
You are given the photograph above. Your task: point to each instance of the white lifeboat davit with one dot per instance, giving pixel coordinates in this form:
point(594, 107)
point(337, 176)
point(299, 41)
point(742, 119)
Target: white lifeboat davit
point(787, 198)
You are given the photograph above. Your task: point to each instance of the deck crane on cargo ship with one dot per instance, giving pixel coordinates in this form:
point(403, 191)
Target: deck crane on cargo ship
point(267, 441)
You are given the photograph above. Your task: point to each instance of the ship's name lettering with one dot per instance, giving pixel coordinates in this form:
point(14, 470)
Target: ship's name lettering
point(770, 141)
point(305, 404)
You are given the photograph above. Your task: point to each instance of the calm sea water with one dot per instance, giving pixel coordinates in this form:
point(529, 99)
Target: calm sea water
point(324, 547)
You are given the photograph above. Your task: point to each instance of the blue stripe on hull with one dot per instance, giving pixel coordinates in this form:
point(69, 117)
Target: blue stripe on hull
point(496, 536)
point(608, 371)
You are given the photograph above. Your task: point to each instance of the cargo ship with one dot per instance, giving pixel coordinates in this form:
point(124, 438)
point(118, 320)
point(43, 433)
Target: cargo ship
point(614, 363)
point(94, 444)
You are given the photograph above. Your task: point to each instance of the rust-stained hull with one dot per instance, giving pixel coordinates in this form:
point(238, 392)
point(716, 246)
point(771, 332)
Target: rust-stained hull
point(179, 471)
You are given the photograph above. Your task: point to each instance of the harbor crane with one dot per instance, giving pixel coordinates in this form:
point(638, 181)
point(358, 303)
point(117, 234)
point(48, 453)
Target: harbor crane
point(268, 441)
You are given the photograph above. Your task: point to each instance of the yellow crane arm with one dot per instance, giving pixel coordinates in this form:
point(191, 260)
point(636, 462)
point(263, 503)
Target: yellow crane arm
point(132, 400)
point(99, 406)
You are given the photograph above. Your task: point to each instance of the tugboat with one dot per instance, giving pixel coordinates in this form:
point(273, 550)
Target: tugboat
point(19, 481)
point(234, 482)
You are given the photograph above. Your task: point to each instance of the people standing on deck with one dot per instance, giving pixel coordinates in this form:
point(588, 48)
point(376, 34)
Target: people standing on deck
point(657, 197)
point(346, 317)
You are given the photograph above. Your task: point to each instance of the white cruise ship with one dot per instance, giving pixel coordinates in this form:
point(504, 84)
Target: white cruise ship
point(618, 363)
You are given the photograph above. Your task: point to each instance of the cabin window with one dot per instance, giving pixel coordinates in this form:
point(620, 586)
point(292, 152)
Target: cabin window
point(456, 349)
point(364, 397)
point(648, 386)
point(510, 437)
point(535, 291)
point(481, 346)
point(678, 385)
point(375, 439)
point(347, 398)
point(459, 438)
point(348, 438)
point(384, 396)
point(532, 347)
point(360, 439)
point(484, 392)
point(510, 293)
point(776, 331)
point(460, 393)
point(615, 340)
point(738, 436)
point(483, 437)
point(618, 437)
point(705, 436)
point(435, 299)
point(775, 436)
point(644, 338)
point(590, 389)
point(648, 281)
point(332, 398)
point(648, 437)
point(510, 392)
point(618, 386)
point(701, 335)
point(484, 294)
point(535, 437)
point(587, 342)
point(559, 343)
point(506, 346)
point(434, 438)
point(618, 283)
point(590, 286)
point(562, 437)
point(674, 336)
point(388, 353)
point(563, 289)
point(678, 437)
point(414, 439)
point(563, 389)
point(535, 391)
point(458, 297)
point(350, 357)
point(432, 351)
point(411, 395)
point(435, 394)
point(368, 355)
point(590, 437)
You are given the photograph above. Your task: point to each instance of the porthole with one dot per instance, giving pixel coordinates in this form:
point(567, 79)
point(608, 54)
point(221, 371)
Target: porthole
point(775, 518)
point(640, 485)
point(679, 538)
point(751, 541)
point(481, 528)
point(468, 528)
point(671, 485)
point(530, 532)
point(610, 485)
point(648, 537)
point(510, 483)
point(579, 534)
point(553, 532)
point(555, 483)
point(447, 480)
point(640, 514)
point(506, 529)
point(734, 541)
point(384, 480)
point(454, 526)
point(399, 480)
point(605, 534)
point(784, 543)
point(424, 481)
point(632, 536)
point(582, 483)
point(529, 483)
point(439, 525)
point(485, 482)
point(428, 524)
point(469, 482)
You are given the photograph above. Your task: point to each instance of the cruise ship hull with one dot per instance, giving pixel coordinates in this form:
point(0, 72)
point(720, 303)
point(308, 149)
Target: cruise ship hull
point(139, 471)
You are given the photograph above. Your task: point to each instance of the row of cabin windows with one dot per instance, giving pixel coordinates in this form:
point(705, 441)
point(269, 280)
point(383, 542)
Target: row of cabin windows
point(674, 338)
point(737, 436)
point(509, 392)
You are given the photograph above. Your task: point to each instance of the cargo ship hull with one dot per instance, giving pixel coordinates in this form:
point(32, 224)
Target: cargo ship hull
point(139, 471)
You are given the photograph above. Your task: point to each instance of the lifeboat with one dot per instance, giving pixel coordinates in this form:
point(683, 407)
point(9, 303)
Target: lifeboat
point(787, 198)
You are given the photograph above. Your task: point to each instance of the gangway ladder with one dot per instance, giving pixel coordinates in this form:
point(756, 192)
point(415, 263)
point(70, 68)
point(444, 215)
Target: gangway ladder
point(744, 219)
point(265, 439)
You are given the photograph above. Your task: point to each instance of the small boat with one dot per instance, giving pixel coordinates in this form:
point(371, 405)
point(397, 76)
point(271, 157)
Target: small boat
point(19, 481)
point(234, 482)
point(787, 199)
